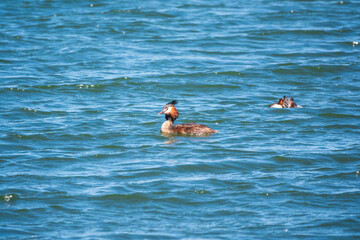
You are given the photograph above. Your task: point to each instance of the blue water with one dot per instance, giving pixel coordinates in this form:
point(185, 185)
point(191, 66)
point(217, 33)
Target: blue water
point(81, 154)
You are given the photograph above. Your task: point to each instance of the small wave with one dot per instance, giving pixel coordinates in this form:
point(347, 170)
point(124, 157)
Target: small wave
point(17, 89)
point(307, 55)
point(158, 14)
point(345, 158)
point(37, 136)
point(190, 75)
point(114, 147)
point(130, 198)
point(32, 111)
point(143, 13)
point(92, 87)
point(229, 73)
point(58, 159)
point(342, 126)
point(205, 6)
point(66, 88)
point(221, 53)
point(76, 136)
point(338, 115)
point(303, 32)
point(313, 70)
point(132, 11)
point(5, 61)
point(9, 198)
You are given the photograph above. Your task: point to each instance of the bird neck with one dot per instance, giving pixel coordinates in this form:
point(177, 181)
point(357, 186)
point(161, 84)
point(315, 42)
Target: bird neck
point(166, 127)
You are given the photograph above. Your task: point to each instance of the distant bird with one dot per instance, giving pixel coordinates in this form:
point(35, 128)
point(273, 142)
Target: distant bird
point(279, 104)
point(194, 129)
point(285, 102)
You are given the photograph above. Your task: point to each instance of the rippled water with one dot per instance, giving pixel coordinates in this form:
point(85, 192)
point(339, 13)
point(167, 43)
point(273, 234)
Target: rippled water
point(81, 155)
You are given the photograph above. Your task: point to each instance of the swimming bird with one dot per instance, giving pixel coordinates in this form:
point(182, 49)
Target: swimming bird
point(289, 103)
point(278, 104)
point(285, 102)
point(171, 114)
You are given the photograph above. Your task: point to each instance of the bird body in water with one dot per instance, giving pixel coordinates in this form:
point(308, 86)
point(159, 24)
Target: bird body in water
point(168, 127)
point(285, 102)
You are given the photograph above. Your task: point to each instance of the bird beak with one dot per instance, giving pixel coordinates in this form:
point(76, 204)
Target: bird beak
point(163, 111)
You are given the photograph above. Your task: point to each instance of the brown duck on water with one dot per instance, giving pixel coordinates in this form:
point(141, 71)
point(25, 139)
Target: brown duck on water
point(285, 102)
point(171, 114)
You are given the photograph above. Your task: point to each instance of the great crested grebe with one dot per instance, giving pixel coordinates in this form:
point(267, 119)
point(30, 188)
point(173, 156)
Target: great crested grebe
point(285, 102)
point(171, 114)
point(278, 104)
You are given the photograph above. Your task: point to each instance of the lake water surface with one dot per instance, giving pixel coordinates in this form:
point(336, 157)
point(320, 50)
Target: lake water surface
point(81, 154)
